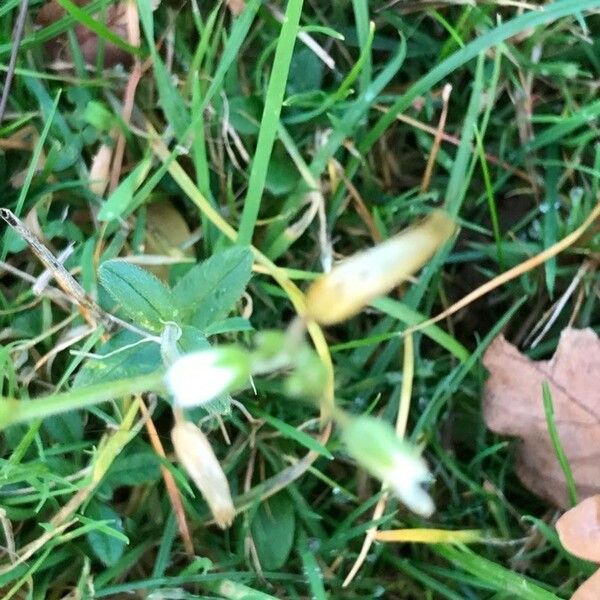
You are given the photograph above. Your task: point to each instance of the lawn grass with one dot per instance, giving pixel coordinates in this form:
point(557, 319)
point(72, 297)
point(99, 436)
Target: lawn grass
point(248, 144)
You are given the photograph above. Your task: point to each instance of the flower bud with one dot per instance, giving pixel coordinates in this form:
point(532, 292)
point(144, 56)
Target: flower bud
point(309, 379)
point(271, 352)
point(196, 456)
point(196, 378)
point(377, 448)
point(358, 280)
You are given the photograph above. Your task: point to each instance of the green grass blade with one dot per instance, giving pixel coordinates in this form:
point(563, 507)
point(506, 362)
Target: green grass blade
point(47, 33)
point(361, 18)
point(498, 577)
point(239, 31)
point(19, 411)
point(98, 27)
point(489, 192)
point(270, 120)
point(556, 444)
point(411, 317)
point(295, 434)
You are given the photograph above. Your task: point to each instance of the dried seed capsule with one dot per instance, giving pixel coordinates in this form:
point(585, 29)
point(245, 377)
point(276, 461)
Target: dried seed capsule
point(196, 455)
point(358, 280)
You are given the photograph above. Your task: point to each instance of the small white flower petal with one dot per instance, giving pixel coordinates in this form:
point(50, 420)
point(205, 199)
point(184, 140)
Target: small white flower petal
point(405, 478)
point(199, 377)
point(413, 496)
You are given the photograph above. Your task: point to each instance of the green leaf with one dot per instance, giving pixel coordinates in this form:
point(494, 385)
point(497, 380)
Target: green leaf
point(295, 434)
point(135, 468)
point(209, 290)
point(66, 428)
point(229, 325)
point(282, 176)
point(244, 113)
point(125, 357)
point(107, 546)
point(98, 116)
point(141, 295)
point(122, 198)
point(273, 531)
point(191, 340)
point(170, 99)
point(306, 72)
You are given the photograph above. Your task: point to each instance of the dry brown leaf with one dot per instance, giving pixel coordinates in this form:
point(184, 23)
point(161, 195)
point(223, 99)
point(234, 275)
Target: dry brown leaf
point(589, 589)
point(579, 532)
point(513, 405)
point(579, 529)
point(100, 169)
point(25, 138)
point(236, 6)
point(116, 21)
point(166, 232)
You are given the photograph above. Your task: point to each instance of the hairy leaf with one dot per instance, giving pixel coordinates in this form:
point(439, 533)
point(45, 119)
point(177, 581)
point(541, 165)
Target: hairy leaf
point(140, 294)
point(209, 290)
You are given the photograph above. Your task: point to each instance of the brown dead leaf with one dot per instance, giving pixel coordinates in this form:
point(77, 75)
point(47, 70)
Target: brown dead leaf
point(166, 233)
point(589, 589)
point(26, 139)
point(513, 405)
point(579, 532)
point(116, 21)
point(100, 169)
point(579, 529)
point(236, 6)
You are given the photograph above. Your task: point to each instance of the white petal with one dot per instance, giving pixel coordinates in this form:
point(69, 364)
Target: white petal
point(197, 378)
point(405, 480)
point(415, 498)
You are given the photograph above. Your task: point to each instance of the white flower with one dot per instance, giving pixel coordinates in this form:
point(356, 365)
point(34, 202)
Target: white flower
point(375, 446)
point(406, 478)
point(199, 377)
point(196, 456)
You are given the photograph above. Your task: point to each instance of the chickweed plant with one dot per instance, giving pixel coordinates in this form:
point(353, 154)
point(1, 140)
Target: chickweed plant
point(235, 359)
